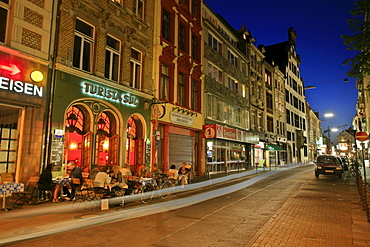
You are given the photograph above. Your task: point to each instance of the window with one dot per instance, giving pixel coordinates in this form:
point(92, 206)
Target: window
point(268, 81)
point(83, 45)
point(3, 22)
point(244, 91)
point(135, 69)
point(195, 7)
point(288, 121)
point(112, 58)
point(231, 84)
point(182, 37)
point(195, 95)
point(214, 43)
point(215, 73)
point(165, 83)
point(139, 8)
point(181, 91)
point(269, 101)
point(166, 25)
point(270, 124)
point(195, 47)
point(232, 58)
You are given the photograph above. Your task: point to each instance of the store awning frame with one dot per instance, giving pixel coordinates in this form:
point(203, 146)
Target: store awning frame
point(274, 147)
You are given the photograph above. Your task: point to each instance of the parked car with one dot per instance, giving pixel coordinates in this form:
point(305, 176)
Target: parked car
point(328, 165)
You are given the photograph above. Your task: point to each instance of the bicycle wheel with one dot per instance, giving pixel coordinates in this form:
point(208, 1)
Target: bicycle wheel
point(147, 193)
point(166, 189)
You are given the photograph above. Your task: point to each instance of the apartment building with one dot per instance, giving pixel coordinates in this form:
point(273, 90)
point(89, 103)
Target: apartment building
point(25, 49)
point(230, 144)
point(285, 55)
point(178, 85)
point(102, 83)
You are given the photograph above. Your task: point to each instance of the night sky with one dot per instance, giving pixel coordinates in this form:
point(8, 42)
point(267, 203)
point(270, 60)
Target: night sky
point(319, 25)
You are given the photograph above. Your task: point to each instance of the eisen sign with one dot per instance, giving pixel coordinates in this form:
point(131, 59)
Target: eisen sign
point(109, 94)
point(20, 87)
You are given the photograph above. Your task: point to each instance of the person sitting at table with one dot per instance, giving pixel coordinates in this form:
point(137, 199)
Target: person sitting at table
point(184, 173)
point(126, 173)
point(46, 183)
point(102, 181)
point(142, 171)
point(73, 171)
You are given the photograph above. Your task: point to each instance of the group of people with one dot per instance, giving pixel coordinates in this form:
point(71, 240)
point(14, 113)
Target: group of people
point(46, 183)
point(106, 181)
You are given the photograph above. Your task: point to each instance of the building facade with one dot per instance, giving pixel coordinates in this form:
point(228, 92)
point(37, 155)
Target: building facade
point(177, 85)
point(25, 49)
point(229, 140)
point(284, 54)
point(102, 84)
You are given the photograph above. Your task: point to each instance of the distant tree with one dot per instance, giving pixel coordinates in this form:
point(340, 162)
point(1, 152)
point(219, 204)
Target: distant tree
point(359, 41)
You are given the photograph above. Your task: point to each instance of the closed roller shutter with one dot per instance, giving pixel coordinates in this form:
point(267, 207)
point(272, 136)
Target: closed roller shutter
point(180, 149)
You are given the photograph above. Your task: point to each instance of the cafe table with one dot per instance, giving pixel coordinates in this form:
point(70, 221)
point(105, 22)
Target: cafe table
point(7, 189)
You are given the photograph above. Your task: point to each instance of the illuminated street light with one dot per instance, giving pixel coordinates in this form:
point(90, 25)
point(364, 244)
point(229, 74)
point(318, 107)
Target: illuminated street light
point(328, 115)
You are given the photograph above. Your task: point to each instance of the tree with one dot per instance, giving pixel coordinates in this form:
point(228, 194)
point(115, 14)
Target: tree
point(359, 41)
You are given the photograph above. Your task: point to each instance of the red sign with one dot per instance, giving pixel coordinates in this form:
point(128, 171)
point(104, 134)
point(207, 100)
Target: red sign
point(361, 136)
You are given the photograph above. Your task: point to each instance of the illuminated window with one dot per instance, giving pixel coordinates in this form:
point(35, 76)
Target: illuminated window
point(83, 45)
point(112, 58)
point(135, 69)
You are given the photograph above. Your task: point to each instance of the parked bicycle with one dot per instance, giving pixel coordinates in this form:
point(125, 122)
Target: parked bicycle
point(354, 169)
point(147, 188)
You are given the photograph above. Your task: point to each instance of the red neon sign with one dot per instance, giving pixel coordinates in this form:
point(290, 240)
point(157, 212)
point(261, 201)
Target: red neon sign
point(13, 69)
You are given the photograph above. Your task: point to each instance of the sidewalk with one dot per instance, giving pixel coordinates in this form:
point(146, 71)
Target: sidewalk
point(324, 213)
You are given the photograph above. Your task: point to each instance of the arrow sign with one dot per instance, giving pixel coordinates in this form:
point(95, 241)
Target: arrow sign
point(13, 69)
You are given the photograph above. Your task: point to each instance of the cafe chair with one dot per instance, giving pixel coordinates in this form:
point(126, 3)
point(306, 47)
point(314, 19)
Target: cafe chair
point(29, 195)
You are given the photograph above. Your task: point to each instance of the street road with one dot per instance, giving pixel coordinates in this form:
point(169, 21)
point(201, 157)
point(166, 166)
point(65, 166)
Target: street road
point(233, 219)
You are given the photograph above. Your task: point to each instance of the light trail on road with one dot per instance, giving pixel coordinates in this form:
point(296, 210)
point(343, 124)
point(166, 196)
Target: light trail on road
point(145, 210)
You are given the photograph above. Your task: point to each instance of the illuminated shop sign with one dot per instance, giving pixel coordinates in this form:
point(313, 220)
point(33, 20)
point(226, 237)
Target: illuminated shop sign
point(109, 94)
point(20, 87)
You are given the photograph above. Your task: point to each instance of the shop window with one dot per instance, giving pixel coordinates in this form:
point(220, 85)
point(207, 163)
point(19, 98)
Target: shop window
point(83, 45)
point(134, 143)
point(8, 138)
point(135, 69)
point(77, 143)
point(112, 58)
point(139, 8)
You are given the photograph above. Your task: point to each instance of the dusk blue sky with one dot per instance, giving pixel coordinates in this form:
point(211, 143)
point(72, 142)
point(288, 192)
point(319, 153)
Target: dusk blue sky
point(319, 25)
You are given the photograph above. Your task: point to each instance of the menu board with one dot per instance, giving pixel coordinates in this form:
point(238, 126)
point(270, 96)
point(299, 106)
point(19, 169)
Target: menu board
point(57, 146)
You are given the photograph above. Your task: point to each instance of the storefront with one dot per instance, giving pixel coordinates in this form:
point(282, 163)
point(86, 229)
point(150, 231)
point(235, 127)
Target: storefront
point(98, 124)
point(228, 149)
point(22, 115)
point(177, 137)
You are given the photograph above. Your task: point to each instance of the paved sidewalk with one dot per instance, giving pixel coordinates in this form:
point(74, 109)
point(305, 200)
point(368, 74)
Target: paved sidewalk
point(323, 213)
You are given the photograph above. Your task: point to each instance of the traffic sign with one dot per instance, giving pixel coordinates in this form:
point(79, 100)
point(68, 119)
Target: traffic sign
point(361, 136)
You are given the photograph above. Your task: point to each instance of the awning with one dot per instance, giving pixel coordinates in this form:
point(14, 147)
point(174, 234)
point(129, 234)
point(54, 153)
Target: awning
point(273, 147)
